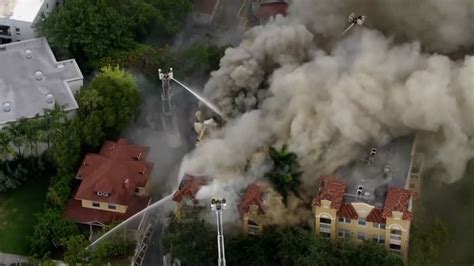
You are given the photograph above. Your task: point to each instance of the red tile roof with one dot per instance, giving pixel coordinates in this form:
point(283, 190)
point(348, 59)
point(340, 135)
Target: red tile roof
point(79, 214)
point(118, 169)
point(189, 187)
point(205, 6)
point(347, 211)
point(375, 216)
point(272, 9)
point(397, 200)
point(331, 189)
point(253, 196)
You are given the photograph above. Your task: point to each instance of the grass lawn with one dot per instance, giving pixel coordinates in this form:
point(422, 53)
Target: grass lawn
point(17, 209)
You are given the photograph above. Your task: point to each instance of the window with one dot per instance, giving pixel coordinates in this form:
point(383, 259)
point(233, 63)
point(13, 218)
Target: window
point(17, 31)
point(112, 207)
point(95, 204)
point(362, 221)
point(344, 233)
point(102, 194)
point(325, 220)
point(394, 247)
point(381, 226)
point(378, 239)
point(361, 236)
point(396, 232)
point(253, 228)
point(324, 234)
point(344, 220)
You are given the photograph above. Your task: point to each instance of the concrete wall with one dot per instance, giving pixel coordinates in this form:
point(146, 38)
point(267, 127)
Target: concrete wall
point(104, 206)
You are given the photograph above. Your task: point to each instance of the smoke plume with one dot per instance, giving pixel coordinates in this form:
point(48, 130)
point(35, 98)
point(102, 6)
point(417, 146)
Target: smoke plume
point(281, 87)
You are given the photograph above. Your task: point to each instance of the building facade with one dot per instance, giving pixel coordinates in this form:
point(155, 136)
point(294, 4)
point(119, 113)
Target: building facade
point(252, 209)
point(19, 17)
point(185, 196)
point(372, 199)
point(32, 81)
point(114, 184)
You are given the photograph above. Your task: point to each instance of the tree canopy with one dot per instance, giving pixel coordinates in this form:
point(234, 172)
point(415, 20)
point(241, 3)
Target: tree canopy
point(90, 30)
point(108, 105)
point(275, 246)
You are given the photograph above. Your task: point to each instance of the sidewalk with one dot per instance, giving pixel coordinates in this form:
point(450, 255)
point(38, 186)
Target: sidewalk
point(8, 259)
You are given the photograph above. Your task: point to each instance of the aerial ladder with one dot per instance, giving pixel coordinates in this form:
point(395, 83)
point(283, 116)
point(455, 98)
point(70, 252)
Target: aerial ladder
point(218, 206)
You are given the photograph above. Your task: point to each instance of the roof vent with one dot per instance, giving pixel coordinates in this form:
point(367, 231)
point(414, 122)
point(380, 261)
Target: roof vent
point(126, 183)
point(7, 106)
point(28, 54)
point(60, 66)
point(359, 190)
point(49, 98)
point(39, 75)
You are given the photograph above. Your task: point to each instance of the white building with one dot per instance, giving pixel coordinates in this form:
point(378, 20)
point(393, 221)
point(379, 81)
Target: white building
point(31, 80)
point(18, 17)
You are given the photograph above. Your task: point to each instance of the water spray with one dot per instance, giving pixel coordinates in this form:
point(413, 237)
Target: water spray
point(142, 212)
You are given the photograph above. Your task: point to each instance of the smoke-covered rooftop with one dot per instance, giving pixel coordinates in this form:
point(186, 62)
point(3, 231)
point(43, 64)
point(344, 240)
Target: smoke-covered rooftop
point(370, 175)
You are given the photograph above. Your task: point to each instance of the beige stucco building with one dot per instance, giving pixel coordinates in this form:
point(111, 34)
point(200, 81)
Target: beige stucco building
point(372, 199)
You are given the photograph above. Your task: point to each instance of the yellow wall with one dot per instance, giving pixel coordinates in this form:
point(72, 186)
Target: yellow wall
point(104, 206)
point(253, 216)
point(369, 230)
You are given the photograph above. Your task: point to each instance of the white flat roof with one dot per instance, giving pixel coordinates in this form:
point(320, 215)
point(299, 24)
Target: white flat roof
point(23, 10)
point(31, 80)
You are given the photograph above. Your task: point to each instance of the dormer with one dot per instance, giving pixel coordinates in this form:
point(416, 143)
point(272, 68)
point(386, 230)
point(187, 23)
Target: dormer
point(102, 193)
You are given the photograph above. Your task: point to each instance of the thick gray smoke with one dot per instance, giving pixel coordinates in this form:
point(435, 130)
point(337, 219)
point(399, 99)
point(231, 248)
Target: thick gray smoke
point(440, 25)
point(282, 88)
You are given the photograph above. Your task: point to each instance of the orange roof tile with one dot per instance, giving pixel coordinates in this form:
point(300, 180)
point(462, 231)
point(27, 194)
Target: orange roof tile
point(375, 216)
point(347, 211)
point(331, 189)
point(189, 187)
point(253, 196)
point(397, 200)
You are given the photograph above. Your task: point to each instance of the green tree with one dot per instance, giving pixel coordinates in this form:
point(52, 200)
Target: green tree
point(15, 130)
point(87, 30)
point(426, 241)
point(286, 174)
point(107, 105)
point(6, 149)
point(66, 149)
point(50, 232)
point(190, 233)
point(171, 15)
point(76, 252)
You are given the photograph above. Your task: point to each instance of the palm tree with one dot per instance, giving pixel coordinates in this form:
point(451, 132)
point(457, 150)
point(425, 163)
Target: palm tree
point(5, 148)
point(286, 174)
point(17, 136)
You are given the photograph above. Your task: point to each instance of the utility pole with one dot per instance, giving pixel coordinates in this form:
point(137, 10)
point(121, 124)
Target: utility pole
point(218, 206)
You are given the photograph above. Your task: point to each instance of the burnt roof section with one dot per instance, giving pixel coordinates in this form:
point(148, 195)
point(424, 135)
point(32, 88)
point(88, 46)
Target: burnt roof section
point(332, 189)
point(189, 187)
